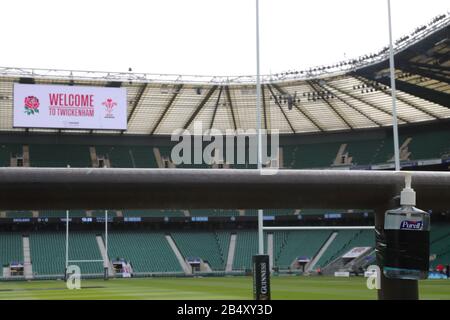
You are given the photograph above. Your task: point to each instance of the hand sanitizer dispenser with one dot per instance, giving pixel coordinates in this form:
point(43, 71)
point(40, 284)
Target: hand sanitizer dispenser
point(404, 244)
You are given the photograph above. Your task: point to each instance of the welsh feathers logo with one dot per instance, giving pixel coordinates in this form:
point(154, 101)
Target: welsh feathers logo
point(31, 105)
point(109, 104)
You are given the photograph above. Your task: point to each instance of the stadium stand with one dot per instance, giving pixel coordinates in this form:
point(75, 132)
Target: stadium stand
point(52, 214)
point(205, 245)
point(48, 252)
point(62, 213)
point(213, 212)
point(119, 156)
point(359, 136)
point(152, 213)
point(153, 254)
point(270, 212)
point(11, 248)
point(142, 157)
point(246, 247)
point(7, 151)
point(83, 246)
point(19, 214)
point(303, 155)
point(101, 213)
point(346, 240)
point(440, 244)
point(289, 245)
point(59, 155)
point(311, 156)
point(421, 148)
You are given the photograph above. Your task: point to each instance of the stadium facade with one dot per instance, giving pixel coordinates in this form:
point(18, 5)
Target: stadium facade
point(329, 117)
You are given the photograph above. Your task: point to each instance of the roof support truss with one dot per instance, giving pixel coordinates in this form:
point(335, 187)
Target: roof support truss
point(414, 105)
point(264, 107)
point(281, 109)
point(200, 106)
point(351, 106)
point(303, 112)
point(431, 95)
point(338, 113)
point(227, 92)
point(371, 104)
point(137, 100)
point(431, 74)
point(216, 107)
point(169, 104)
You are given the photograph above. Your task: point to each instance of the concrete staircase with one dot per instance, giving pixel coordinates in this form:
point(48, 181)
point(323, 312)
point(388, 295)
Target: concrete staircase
point(184, 265)
point(322, 250)
point(106, 262)
point(27, 267)
point(231, 250)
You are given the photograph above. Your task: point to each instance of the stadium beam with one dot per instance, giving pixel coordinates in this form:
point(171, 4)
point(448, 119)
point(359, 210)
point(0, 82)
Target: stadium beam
point(398, 97)
point(281, 108)
point(264, 107)
point(336, 112)
point(418, 91)
point(370, 104)
point(349, 104)
point(215, 108)
point(303, 112)
point(432, 75)
point(114, 188)
point(169, 104)
point(429, 67)
point(137, 100)
point(227, 91)
point(200, 106)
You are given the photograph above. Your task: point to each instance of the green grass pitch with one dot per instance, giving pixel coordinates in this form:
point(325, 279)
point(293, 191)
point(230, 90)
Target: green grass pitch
point(286, 287)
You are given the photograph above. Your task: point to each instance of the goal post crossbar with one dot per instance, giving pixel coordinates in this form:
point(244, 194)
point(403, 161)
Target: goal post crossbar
point(319, 228)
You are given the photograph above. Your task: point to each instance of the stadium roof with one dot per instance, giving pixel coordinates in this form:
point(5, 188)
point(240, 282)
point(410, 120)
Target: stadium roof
point(348, 95)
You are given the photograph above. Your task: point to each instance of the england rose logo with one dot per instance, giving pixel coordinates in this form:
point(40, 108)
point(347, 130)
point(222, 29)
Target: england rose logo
point(31, 105)
point(109, 104)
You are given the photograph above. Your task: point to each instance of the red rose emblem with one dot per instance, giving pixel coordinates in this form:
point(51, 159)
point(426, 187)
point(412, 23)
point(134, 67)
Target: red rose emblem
point(31, 105)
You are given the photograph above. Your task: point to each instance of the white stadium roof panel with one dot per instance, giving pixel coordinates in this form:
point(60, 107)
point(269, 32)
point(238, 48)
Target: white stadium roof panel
point(349, 95)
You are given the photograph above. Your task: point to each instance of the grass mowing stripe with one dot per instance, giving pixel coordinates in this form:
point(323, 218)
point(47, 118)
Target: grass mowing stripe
point(293, 287)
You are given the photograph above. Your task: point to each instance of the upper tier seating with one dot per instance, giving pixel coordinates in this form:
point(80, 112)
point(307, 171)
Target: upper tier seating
point(59, 155)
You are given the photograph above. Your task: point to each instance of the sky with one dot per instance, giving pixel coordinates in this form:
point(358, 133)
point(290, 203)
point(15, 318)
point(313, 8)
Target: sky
point(200, 37)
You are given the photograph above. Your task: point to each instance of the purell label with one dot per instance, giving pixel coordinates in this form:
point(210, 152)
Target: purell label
point(401, 221)
point(411, 225)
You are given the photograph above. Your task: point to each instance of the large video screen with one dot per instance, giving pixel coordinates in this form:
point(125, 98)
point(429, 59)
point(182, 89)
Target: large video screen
point(69, 107)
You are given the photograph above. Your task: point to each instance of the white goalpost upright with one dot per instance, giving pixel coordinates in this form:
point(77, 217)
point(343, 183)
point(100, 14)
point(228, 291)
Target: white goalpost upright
point(68, 260)
point(258, 126)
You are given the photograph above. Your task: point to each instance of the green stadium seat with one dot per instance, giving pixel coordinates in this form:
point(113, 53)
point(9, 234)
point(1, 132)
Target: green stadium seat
point(60, 155)
point(146, 251)
point(11, 248)
point(288, 245)
point(152, 213)
point(19, 214)
point(48, 252)
point(345, 241)
point(208, 246)
point(246, 247)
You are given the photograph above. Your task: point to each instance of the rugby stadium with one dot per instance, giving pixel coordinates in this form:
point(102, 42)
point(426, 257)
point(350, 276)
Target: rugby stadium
point(111, 200)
